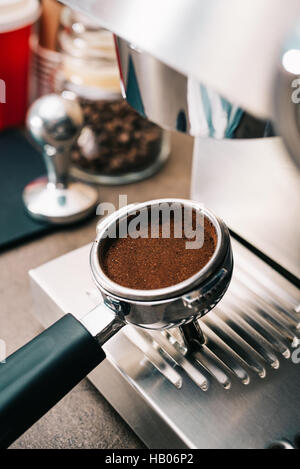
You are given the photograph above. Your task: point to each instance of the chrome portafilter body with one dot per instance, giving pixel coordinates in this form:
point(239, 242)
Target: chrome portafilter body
point(174, 306)
point(58, 359)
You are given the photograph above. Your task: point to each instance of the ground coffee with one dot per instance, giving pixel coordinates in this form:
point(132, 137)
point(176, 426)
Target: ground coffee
point(153, 263)
point(123, 141)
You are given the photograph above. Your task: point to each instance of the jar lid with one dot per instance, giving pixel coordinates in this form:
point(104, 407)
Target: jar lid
point(16, 14)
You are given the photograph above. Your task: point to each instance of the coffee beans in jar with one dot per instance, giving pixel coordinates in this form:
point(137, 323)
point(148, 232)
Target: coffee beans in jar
point(117, 144)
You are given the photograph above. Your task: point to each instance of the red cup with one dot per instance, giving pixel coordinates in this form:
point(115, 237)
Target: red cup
point(16, 20)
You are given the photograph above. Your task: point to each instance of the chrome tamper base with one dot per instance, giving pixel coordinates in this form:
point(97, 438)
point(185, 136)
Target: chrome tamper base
point(59, 205)
point(54, 122)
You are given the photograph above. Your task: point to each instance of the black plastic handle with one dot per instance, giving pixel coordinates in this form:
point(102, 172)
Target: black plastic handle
point(38, 375)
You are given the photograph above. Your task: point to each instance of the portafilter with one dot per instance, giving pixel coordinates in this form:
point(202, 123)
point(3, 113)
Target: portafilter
point(37, 376)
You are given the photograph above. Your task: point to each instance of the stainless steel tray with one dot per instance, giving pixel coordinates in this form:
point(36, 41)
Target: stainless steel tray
point(240, 391)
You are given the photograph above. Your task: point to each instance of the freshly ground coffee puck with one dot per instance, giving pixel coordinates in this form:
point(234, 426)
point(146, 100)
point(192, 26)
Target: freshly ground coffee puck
point(153, 263)
point(115, 139)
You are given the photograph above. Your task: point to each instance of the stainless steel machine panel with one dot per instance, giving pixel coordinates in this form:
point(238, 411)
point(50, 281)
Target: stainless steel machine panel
point(209, 40)
point(241, 390)
point(255, 187)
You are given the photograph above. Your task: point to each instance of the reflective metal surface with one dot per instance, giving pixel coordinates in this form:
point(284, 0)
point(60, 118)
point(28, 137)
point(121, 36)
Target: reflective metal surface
point(227, 46)
point(241, 386)
point(175, 305)
point(196, 66)
point(102, 323)
point(255, 186)
point(176, 102)
point(59, 205)
point(282, 444)
point(54, 122)
point(287, 94)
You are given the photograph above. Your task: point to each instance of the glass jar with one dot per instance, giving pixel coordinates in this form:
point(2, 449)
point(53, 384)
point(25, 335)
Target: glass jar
point(117, 145)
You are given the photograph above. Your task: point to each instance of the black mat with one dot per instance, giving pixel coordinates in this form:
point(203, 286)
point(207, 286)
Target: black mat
point(20, 163)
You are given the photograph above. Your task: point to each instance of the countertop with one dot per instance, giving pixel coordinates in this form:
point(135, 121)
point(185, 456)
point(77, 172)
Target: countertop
point(83, 419)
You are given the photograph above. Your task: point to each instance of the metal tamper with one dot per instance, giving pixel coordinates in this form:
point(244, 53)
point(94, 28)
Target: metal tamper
point(54, 122)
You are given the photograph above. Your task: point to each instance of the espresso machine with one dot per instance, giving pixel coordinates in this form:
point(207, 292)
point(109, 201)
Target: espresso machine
point(215, 70)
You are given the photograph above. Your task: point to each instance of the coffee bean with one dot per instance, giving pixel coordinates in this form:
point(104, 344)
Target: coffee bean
point(126, 141)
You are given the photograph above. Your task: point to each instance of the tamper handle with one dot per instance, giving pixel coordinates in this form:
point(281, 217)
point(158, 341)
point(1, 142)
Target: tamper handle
point(55, 122)
point(57, 162)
